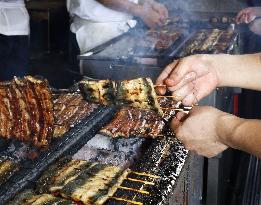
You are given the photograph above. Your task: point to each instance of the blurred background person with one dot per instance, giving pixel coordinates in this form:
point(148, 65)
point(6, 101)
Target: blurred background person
point(252, 17)
point(14, 39)
point(97, 21)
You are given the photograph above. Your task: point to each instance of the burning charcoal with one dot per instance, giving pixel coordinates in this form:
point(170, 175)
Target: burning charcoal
point(100, 142)
point(131, 145)
point(104, 156)
point(86, 153)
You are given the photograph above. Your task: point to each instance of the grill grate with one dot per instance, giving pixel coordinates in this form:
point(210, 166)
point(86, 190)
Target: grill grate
point(70, 142)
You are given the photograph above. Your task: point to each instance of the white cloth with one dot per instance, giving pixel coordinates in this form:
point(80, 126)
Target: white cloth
point(14, 18)
point(95, 24)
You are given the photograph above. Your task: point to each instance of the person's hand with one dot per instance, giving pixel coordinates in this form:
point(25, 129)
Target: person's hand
point(153, 14)
point(151, 18)
point(248, 15)
point(189, 79)
point(160, 9)
point(199, 132)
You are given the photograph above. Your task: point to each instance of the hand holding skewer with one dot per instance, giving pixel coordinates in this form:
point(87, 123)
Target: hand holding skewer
point(189, 79)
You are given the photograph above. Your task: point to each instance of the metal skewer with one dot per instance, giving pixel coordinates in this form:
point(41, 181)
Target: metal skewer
point(166, 96)
point(159, 86)
point(176, 109)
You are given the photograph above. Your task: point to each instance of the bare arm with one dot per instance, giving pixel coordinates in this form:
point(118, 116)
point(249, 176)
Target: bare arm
point(241, 134)
point(219, 131)
point(239, 71)
point(192, 78)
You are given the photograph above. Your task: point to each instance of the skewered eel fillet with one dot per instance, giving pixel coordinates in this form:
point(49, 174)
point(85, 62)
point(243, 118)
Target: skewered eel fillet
point(26, 111)
point(129, 121)
point(7, 169)
point(81, 181)
point(28, 197)
point(135, 93)
point(69, 110)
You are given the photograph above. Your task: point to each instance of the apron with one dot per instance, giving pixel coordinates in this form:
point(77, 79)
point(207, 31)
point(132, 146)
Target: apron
point(14, 18)
point(95, 24)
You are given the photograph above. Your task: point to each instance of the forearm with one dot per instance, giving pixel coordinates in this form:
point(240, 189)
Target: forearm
point(240, 134)
point(123, 6)
point(238, 70)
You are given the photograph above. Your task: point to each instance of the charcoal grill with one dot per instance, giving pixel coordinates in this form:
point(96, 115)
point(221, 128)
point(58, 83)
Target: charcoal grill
point(31, 169)
point(177, 186)
point(113, 60)
point(170, 168)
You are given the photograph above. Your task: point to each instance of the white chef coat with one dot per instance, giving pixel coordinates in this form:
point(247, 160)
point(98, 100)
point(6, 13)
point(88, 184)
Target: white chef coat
point(95, 24)
point(14, 18)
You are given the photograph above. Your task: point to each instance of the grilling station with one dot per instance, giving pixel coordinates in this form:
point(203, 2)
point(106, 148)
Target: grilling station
point(85, 162)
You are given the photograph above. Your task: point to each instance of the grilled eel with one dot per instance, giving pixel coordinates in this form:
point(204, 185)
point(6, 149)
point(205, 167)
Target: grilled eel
point(26, 111)
point(129, 121)
point(69, 110)
point(102, 91)
point(7, 169)
point(135, 93)
point(28, 197)
point(89, 183)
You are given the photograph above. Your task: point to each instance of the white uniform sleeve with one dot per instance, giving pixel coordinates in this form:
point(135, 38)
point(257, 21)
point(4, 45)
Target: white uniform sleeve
point(93, 10)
